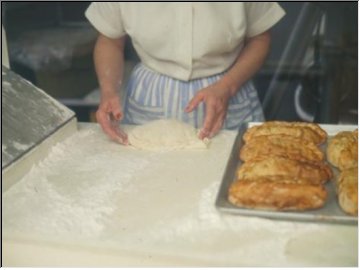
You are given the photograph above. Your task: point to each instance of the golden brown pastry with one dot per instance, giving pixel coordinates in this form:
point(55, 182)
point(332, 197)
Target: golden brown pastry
point(316, 173)
point(315, 127)
point(342, 150)
point(281, 145)
point(276, 195)
point(305, 131)
point(347, 190)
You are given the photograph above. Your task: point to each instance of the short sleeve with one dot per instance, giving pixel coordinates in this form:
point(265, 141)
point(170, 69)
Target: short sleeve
point(261, 16)
point(106, 18)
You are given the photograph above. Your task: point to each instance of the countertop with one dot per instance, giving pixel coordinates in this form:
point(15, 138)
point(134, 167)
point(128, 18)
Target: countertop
point(92, 202)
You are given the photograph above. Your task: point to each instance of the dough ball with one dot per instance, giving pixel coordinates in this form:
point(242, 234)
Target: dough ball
point(166, 134)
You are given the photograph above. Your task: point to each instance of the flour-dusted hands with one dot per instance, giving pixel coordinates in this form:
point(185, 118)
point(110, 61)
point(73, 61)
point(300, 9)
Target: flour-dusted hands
point(109, 115)
point(216, 98)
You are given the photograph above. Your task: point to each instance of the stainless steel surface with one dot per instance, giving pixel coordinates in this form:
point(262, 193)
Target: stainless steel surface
point(29, 116)
point(330, 213)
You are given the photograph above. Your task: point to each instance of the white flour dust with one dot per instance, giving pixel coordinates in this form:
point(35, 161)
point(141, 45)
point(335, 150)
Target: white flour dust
point(73, 189)
point(91, 189)
point(21, 146)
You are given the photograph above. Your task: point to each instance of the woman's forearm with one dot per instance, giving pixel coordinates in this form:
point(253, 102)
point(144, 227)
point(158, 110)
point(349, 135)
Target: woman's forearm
point(248, 63)
point(109, 63)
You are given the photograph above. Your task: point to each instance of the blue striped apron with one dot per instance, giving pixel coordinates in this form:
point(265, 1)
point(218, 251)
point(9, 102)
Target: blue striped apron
point(151, 96)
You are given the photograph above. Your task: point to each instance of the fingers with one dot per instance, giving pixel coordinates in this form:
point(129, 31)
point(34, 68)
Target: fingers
point(214, 118)
point(214, 115)
point(212, 124)
point(215, 98)
point(111, 127)
point(113, 109)
point(217, 126)
point(210, 118)
point(108, 116)
point(117, 113)
point(194, 102)
point(123, 137)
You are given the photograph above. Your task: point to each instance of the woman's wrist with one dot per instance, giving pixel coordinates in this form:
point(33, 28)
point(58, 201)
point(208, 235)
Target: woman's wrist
point(228, 85)
point(107, 93)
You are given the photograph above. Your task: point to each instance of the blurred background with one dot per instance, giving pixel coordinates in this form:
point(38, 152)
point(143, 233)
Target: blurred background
point(310, 74)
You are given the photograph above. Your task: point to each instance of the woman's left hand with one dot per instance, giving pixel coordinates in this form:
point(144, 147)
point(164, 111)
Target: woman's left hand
point(216, 98)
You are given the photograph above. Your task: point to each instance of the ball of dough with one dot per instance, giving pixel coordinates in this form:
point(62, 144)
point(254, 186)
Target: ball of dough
point(166, 134)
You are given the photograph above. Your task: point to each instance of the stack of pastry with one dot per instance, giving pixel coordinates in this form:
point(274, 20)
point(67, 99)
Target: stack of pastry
point(283, 167)
point(342, 152)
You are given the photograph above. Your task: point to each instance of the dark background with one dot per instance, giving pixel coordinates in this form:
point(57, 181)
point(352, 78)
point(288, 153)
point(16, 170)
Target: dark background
point(310, 74)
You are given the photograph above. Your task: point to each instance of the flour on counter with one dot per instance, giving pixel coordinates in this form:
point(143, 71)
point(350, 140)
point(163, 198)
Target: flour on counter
point(99, 193)
point(72, 190)
point(206, 234)
point(30, 116)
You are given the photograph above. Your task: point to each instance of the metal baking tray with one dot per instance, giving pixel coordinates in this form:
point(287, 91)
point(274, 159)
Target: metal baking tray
point(330, 213)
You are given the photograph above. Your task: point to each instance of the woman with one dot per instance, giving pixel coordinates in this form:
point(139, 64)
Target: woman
point(196, 62)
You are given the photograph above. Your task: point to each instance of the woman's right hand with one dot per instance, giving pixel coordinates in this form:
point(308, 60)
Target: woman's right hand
point(109, 115)
point(109, 63)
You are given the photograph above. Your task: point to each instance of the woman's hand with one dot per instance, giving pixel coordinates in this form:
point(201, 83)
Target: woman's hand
point(216, 96)
point(216, 99)
point(109, 63)
point(109, 115)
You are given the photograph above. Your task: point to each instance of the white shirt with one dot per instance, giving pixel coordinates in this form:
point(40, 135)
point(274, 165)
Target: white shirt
point(185, 40)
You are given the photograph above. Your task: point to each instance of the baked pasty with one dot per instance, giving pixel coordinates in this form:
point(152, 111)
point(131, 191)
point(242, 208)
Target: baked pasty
point(287, 146)
point(347, 190)
point(305, 131)
point(315, 173)
point(276, 195)
point(342, 150)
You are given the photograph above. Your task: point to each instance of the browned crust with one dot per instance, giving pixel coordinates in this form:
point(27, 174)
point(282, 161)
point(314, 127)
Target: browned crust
point(281, 145)
point(274, 195)
point(347, 190)
point(315, 173)
point(305, 131)
point(342, 150)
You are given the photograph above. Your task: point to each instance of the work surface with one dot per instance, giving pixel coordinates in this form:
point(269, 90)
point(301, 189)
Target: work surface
point(92, 202)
